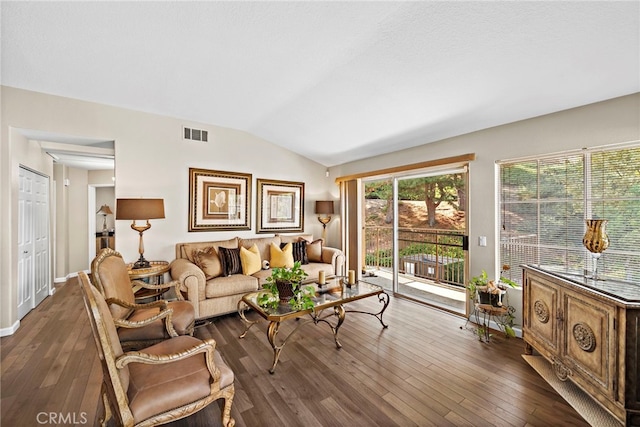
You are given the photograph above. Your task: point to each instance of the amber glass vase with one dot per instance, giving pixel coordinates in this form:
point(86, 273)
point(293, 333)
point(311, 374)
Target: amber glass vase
point(596, 241)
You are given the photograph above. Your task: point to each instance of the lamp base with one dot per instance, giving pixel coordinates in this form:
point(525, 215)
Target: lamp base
point(141, 263)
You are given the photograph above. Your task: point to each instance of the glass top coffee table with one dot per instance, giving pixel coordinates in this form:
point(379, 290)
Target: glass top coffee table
point(329, 302)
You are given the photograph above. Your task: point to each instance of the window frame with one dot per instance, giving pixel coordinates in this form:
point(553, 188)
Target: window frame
point(592, 205)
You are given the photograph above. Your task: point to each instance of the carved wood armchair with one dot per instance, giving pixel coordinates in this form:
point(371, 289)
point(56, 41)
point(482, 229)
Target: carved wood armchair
point(157, 384)
point(139, 325)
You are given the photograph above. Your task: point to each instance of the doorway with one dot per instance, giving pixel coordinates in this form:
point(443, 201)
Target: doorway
point(415, 236)
point(34, 275)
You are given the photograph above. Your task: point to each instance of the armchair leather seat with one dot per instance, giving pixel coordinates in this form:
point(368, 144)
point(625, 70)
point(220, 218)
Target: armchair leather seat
point(152, 390)
point(139, 325)
point(157, 384)
point(183, 317)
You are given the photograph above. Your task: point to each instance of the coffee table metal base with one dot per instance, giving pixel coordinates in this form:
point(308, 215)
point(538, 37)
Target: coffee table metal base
point(338, 311)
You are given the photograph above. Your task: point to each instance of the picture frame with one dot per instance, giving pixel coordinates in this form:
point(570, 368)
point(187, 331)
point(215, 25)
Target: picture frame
point(219, 200)
point(280, 206)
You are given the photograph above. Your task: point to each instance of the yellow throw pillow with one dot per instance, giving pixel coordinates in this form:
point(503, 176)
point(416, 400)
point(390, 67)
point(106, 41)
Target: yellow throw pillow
point(281, 257)
point(250, 260)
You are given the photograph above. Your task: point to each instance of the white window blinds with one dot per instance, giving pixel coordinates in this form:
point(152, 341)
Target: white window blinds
point(544, 202)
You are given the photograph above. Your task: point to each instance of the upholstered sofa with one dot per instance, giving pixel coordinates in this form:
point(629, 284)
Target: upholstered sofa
point(215, 286)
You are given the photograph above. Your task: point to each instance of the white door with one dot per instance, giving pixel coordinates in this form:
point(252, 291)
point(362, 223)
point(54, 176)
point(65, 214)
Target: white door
point(42, 277)
point(33, 240)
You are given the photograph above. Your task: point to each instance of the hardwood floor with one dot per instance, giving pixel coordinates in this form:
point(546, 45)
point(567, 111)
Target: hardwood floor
point(423, 370)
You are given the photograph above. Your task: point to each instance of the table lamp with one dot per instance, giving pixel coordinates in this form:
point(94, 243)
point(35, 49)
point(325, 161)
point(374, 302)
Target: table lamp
point(324, 207)
point(104, 211)
point(140, 209)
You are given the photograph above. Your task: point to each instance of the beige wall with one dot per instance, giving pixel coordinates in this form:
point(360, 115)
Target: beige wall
point(603, 123)
point(60, 207)
point(152, 160)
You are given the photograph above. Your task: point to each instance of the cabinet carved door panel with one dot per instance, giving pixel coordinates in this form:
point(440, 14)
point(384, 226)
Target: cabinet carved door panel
point(589, 340)
point(541, 316)
point(596, 334)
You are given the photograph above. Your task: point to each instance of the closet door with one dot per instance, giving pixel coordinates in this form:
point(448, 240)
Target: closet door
point(33, 240)
point(41, 270)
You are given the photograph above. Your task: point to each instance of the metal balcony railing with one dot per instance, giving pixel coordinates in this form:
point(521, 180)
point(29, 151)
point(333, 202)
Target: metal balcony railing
point(438, 255)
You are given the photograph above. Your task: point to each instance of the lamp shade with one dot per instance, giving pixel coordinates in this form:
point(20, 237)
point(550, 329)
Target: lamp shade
point(324, 207)
point(139, 208)
point(104, 210)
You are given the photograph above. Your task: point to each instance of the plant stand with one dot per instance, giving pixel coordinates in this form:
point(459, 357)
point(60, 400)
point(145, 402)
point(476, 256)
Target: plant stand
point(485, 311)
point(484, 314)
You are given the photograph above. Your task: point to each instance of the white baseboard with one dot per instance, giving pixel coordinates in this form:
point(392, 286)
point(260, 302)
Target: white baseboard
point(11, 330)
point(68, 276)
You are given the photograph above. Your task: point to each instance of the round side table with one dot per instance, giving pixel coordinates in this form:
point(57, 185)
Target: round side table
point(153, 274)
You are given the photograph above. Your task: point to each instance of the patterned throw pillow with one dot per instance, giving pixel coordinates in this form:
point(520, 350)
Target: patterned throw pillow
point(232, 263)
point(314, 251)
point(299, 251)
point(209, 262)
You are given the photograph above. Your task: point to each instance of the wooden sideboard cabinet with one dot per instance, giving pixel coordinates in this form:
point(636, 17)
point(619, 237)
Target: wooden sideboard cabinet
point(589, 331)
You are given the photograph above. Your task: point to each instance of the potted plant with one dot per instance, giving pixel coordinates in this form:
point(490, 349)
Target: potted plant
point(483, 291)
point(285, 286)
point(488, 291)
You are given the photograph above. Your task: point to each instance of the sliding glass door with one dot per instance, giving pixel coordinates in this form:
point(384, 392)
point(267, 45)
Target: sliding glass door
point(415, 235)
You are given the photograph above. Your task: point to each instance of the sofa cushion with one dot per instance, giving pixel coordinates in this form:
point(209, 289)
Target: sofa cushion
point(230, 258)
point(185, 250)
point(209, 262)
point(314, 251)
point(299, 251)
point(263, 243)
point(313, 268)
point(250, 260)
point(281, 257)
point(262, 276)
point(237, 284)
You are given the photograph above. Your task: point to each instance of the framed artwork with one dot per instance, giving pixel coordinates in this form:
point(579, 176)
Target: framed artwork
point(219, 200)
point(280, 206)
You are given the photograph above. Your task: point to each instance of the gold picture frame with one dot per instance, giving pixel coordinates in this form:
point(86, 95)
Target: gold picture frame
point(219, 200)
point(280, 206)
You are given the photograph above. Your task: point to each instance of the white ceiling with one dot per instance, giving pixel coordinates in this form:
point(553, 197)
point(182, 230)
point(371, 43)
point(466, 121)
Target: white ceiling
point(333, 81)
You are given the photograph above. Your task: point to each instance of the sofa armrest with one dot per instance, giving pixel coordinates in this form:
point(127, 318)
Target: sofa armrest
point(335, 257)
point(192, 281)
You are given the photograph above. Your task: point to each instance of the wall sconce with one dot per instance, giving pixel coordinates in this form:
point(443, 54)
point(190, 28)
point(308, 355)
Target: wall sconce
point(143, 209)
point(324, 207)
point(104, 211)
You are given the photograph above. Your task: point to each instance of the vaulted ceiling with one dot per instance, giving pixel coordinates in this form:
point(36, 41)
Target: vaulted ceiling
point(333, 81)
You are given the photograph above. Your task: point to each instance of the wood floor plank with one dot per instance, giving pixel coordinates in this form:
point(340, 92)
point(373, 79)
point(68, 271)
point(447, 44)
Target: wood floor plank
point(427, 368)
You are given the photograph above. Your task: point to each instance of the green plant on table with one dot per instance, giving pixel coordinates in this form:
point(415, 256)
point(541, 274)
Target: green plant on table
point(482, 283)
point(302, 295)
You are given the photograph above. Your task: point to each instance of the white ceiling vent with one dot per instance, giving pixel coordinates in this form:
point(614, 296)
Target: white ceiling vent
point(192, 134)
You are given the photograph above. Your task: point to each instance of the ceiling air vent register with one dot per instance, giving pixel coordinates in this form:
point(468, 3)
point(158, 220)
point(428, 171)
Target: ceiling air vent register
point(192, 134)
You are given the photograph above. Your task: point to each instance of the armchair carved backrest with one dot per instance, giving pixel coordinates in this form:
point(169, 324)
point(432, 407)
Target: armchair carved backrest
point(115, 381)
point(111, 277)
point(160, 383)
point(138, 324)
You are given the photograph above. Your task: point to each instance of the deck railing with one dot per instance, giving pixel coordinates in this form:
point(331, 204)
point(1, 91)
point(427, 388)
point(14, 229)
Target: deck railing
point(433, 254)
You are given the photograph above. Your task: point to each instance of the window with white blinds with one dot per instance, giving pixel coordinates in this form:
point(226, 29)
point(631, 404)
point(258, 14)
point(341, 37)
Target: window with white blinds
point(544, 203)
